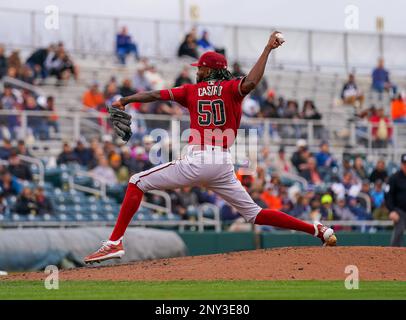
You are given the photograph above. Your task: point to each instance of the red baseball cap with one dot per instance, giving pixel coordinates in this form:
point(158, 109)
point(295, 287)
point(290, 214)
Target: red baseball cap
point(212, 60)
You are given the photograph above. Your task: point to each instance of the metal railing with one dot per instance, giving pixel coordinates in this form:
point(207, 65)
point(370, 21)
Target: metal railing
point(101, 192)
point(310, 49)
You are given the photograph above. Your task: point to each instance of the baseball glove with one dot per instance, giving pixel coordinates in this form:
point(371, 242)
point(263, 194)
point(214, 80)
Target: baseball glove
point(121, 122)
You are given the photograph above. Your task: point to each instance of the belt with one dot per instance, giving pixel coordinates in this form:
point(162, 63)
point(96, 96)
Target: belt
point(207, 147)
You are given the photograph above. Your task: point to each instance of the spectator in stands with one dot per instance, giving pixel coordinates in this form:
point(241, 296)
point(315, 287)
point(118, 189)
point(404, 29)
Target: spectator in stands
point(22, 149)
point(260, 90)
point(9, 185)
point(250, 107)
point(188, 47)
point(110, 93)
point(36, 61)
point(204, 43)
point(381, 129)
point(311, 173)
point(309, 111)
point(126, 88)
point(281, 163)
point(324, 158)
point(141, 83)
point(345, 167)
point(327, 211)
point(256, 196)
point(342, 211)
point(359, 211)
point(84, 155)
point(366, 192)
point(27, 75)
point(359, 168)
point(186, 200)
point(398, 109)
point(128, 160)
point(315, 206)
point(125, 46)
point(302, 208)
point(61, 65)
point(348, 186)
point(141, 158)
point(155, 78)
point(183, 77)
point(379, 173)
point(67, 155)
point(3, 62)
point(93, 98)
point(6, 149)
point(109, 147)
point(9, 101)
point(18, 169)
point(26, 204)
point(237, 71)
point(268, 106)
point(298, 158)
point(271, 195)
point(377, 194)
point(381, 81)
point(104, 172)
point(14, 61)
point(44, 204)
point(350, 94)
point(122, 173)
point(53, 117)
point(12, 72)
point(38, 124)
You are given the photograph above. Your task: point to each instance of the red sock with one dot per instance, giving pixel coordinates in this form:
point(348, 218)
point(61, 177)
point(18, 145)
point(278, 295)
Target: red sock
point(130, 205)
point(282, 220)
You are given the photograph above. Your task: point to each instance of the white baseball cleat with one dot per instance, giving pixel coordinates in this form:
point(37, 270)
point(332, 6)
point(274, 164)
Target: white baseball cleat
point(326, 235)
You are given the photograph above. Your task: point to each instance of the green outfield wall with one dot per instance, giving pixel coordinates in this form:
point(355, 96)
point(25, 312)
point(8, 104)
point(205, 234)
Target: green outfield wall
point(212, 242)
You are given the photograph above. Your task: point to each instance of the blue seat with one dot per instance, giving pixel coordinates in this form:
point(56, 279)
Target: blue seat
point(110, 217)
point(173, 217)
point(64, 217)
point(18, 217)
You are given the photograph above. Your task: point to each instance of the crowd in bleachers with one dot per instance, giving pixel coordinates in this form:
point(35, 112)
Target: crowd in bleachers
point(42, 63)
point(333, 190)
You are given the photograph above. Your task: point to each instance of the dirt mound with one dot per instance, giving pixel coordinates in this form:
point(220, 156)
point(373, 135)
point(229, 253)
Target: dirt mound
point(300, 263)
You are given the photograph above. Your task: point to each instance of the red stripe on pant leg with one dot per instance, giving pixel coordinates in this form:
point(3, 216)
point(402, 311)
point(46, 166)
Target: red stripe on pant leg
point(130, 205)
point(282, 220)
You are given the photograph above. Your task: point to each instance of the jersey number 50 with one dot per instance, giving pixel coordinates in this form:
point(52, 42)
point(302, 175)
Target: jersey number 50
point(211, 112)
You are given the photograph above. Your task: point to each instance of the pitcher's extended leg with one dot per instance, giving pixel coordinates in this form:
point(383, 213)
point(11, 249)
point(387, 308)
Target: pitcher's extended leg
point(170, 175)
point(231, 190)
point(129, 207)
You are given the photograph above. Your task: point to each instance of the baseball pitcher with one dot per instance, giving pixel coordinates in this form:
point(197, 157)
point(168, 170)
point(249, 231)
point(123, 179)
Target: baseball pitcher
point(214, 104)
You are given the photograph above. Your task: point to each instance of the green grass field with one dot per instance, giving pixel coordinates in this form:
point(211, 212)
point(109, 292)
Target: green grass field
point(262, 290)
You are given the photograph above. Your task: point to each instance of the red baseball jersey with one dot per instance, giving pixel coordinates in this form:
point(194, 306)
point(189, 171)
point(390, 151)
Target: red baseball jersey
point(214, 107)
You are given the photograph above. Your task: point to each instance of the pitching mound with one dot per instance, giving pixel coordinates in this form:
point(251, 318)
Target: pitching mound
point(301, 263)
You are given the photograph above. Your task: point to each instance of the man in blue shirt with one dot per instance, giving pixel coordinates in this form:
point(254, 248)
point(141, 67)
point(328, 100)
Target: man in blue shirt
point(380, 79)
point(125, 46)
